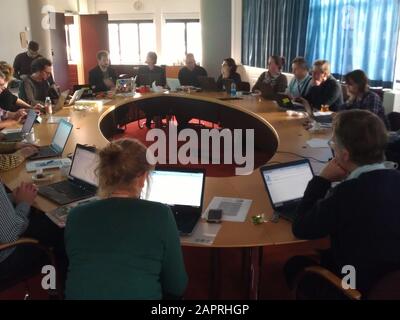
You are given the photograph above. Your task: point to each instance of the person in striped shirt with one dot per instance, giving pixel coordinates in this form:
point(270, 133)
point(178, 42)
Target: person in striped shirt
point(18, 220)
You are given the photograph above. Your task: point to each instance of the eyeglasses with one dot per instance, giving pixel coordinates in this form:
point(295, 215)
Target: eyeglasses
point(331, 143)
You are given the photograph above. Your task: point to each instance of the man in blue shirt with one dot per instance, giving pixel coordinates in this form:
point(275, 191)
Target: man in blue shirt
point(302, 81)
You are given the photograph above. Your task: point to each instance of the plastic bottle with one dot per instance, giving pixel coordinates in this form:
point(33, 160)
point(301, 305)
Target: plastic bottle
point(48, 106)
point(233, 89)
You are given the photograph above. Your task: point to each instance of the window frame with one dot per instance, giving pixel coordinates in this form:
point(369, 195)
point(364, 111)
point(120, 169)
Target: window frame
point(138, 22)
point(185, 22)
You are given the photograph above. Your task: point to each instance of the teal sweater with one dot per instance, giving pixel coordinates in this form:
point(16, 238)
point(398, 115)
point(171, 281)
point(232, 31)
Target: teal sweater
point(122, 249)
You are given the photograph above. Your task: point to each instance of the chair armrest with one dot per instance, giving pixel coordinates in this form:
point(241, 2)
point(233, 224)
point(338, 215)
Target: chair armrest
point(331, 278)
point(22, 241)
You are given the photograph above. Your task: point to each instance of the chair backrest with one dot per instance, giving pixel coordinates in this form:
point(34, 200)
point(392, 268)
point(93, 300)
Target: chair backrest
point(387, 288)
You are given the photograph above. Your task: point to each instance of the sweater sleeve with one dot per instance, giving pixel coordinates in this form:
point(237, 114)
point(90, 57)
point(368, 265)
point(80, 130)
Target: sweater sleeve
point(173, 274)
point(332, 94)
point(258, 85)
point(30, 93)
point(316, 215)
point(281, 84)
point(7, 147)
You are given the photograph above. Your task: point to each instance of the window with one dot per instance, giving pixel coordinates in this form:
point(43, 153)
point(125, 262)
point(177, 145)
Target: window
point(181, 37)
point(397, 73)
point(72, 37)
point(130, 41)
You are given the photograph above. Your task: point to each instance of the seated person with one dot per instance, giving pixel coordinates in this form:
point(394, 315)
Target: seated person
point(38, 86)
point(150, 73)
point(12, 154)
point(325, 90)
point(102, 78)
point(146, 76)
point(23, 61)
point(188, 75)
point(18, 220)
point(133, 253)
point(361, 97)
point(272, 81)
point(361, 214)
point(228, 72)
point(9, 101)
point(302, 81)
point(10, 119)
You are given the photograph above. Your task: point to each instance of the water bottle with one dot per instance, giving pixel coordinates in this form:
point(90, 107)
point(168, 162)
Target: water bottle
point(233, 89)
point(48, 106)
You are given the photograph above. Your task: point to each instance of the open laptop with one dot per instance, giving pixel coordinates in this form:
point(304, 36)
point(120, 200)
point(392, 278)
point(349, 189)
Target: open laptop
point(82, 182)
point(26, 129)
point(286, 184)
point(57, 146)
point(321, 119)
point(61, 101)
point(76, 97)
point(208, 83)
point(183, 191)
point(173, 84)
point(284, 101)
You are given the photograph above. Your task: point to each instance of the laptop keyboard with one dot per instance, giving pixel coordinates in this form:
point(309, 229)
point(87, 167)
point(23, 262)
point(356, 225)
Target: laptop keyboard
point(72, 190)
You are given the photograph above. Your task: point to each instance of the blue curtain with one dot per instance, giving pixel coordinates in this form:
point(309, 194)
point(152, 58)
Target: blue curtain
point(273, 27)
point(355, 34)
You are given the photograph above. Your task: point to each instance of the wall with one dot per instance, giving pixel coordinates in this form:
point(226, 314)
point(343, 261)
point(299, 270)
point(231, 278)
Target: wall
point(216, 33)
point(15, 18)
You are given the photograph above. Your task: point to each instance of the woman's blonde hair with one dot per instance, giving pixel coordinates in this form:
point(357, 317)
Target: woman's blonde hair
point(120, 163)
point(7, 70)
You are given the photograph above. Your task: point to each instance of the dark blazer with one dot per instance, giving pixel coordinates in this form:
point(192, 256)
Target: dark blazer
point(96, 79)
point(146, 76)
point(362, 218)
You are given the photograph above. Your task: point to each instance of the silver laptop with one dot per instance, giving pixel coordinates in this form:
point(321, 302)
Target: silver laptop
point(173, 84)
point(26, 129)
point(286, 184)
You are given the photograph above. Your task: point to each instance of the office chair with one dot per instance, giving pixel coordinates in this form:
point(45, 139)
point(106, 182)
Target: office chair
point(386, 288)
point(10, 283)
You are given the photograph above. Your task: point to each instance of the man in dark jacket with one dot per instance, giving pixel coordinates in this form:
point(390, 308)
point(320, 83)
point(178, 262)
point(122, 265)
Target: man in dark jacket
point(102, 78)
point(361, 214)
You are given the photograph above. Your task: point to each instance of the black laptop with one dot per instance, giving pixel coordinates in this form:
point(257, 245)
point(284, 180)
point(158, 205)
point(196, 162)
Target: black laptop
point(26, 129)
point(57, 146)
point(183, 191)
point(285, 101)
point(286, 184)
point(208, 84)
point(82, 182)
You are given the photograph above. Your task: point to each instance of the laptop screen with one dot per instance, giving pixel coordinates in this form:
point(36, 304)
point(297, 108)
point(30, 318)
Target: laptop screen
point(29, 122)
point(84, 166)
point(176, 188)
point(287, 183)
point(61, 136)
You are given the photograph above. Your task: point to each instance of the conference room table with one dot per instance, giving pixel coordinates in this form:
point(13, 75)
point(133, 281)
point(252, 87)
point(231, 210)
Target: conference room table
point(288, 142)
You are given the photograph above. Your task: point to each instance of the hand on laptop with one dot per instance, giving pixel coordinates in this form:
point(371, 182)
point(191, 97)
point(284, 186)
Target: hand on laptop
point(26, 192)
point(333, 172)
point(26, 152)
point(23, 145)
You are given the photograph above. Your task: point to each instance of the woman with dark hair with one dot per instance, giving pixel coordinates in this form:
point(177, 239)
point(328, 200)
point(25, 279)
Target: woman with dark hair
point(361, 97)
point(228, 72)
point(272, 81)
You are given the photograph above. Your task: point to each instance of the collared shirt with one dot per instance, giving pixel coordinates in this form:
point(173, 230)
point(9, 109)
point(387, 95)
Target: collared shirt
point(365, 169)
point(300, 88)
point(369, 101)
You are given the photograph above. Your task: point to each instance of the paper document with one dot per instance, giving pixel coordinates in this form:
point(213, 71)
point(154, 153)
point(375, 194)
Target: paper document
point(47, 164)
point(234, 210)
point(318, 143)
point(204, 234)
point(56, 120)
point(7, 131)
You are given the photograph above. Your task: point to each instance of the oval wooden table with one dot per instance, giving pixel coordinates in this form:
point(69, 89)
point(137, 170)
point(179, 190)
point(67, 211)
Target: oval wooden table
point(96, 126)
